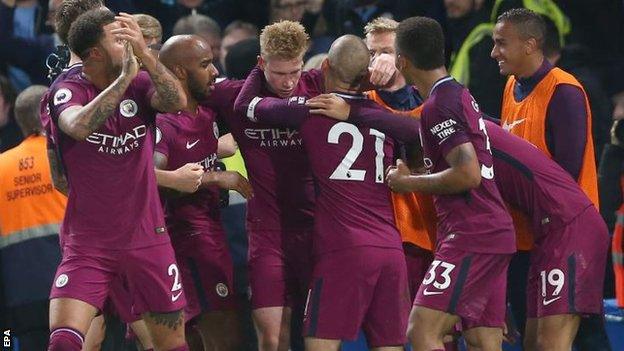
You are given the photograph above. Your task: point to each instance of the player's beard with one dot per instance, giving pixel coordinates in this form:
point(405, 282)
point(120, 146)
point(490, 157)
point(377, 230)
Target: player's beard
point(112, 69)
point(198, 91)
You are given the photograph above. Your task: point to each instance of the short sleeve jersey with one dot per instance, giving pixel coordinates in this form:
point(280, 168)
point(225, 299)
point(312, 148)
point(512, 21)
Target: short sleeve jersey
point(275, 160)
point(190, 138)
point(534, 183)
point(113, 201)
point(353, 206)
point(476, 220)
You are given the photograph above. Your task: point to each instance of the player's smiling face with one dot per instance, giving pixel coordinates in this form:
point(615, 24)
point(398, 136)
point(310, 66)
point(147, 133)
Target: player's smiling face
point(510, 49)
point(282, 75)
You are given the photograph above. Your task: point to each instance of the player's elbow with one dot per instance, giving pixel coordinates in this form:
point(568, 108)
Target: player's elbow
point(240, 105)
point(469, 178)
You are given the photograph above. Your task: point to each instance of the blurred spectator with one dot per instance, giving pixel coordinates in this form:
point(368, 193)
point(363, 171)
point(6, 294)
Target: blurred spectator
point(234, 33)
point(314, 62)
point(25, 41)
point(576, 60)
point(10, 135)
point(242, 58)
point(350, 16)
point(206, 28)
point(29, 226)
point(151, 30)
point(469, 42)
point(612, 162)
point(168, 12)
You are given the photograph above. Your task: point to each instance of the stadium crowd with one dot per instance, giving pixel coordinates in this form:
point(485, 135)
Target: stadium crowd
point(290, 174)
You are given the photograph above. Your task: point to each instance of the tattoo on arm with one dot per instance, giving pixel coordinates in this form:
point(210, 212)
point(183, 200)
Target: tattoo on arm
point(81, 121)
point(169, 96)
point(172, 320)
point(58, 178)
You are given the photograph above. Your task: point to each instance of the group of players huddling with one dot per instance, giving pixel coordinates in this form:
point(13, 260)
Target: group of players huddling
point(324, 171)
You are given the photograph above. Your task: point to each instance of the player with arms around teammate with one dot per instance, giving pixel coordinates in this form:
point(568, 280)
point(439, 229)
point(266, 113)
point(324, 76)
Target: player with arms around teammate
point(191, 136)
point(280, 214)
point(359, 277)
point(114, 223)
point(467, 279)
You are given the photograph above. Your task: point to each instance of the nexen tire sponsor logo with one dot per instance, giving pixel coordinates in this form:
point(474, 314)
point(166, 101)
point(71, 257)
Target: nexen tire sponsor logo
point(274, 137)
point(118, 144)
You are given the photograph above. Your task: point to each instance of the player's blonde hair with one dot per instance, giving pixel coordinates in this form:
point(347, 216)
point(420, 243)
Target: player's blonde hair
point(150, 26)
point(381, 25)
point(284, 39)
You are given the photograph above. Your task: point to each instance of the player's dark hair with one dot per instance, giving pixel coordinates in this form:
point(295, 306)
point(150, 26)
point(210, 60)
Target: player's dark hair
point(528, 23)
point(241, 58)
point(421, 41)
point(88, 30)
point(68, 11)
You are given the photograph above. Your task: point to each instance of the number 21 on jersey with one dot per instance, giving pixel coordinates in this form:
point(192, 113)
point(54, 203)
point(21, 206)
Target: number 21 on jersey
point(344, 170)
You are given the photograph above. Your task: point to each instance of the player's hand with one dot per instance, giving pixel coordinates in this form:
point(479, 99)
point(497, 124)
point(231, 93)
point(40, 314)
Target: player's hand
point(130, 66)
point(382, 70)
point(330, 105)
point(232, 180)
point(397, 177)
point(188, 177)
point(131, 32)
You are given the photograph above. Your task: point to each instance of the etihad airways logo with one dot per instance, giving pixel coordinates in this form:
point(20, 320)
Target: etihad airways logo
point(274, 137)
point(118, 144)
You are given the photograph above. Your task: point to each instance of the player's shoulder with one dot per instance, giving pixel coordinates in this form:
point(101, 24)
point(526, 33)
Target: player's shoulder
point(228, 85)
point(312, 79)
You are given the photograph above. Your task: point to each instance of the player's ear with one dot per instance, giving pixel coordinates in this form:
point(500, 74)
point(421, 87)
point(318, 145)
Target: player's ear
point(261, 62)
point(530, 46)
point(325, 66)
point(179, 72)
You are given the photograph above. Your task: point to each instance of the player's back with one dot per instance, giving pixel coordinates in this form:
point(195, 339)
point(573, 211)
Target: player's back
point(475, 220)
point(529, 180)
point(353, 205)
point(113, 201)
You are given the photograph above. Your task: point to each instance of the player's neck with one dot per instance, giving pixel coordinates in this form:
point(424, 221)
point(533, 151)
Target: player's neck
point(424, 80)
point(334, 85)
point(533, 64)
point(97, 75)
point(73, 59)
point(191, 105)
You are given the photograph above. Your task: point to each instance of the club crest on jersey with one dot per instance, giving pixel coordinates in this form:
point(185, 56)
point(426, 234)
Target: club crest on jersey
point(474, 105)
point(61, 280)
point(222, 290)
point(215, 129)
point(158, 135)
point(62, 96)
point(128, 108)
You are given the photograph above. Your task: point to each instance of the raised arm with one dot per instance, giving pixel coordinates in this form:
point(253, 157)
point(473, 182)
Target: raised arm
point(80, 121)
point(275, 111)
point(169, 96)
